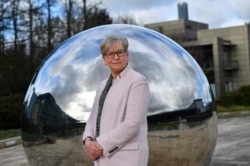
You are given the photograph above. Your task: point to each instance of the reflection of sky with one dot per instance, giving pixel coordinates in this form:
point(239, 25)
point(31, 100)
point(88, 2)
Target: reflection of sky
point(72, 73)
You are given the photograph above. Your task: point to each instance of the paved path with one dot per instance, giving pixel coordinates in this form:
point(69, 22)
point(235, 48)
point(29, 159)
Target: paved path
point(13, 156)
point(232, 148)
point(233, 142)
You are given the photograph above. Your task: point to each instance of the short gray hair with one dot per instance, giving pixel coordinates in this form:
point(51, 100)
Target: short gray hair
point(110, 40)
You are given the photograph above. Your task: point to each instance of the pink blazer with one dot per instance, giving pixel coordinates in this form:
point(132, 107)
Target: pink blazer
point(123, 129)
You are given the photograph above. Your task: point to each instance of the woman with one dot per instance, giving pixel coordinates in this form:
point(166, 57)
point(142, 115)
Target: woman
point(116, 131)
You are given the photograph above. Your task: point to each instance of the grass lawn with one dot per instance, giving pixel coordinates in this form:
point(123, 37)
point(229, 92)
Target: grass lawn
point(5, 134)
point(234, 108)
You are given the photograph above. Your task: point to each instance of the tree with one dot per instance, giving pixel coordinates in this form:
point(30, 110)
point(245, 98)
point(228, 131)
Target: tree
point(69, 13)
point(15, 10)
point(5, 19)
point(125, 19)
point(49, 27)
point(29, 29)
point(82, 16)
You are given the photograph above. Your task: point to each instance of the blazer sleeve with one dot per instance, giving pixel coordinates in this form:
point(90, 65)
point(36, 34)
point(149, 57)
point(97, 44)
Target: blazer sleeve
point(135, 115)
point(89, 130)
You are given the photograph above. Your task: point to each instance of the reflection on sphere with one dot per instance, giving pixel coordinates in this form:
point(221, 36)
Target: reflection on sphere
point(181, 115)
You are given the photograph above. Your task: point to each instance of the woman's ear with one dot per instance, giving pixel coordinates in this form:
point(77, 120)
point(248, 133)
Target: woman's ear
point(104, 60)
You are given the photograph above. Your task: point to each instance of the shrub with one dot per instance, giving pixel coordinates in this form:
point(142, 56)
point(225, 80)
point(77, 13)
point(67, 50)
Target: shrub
point(243, 95)
point(227, 99)
point(238, 97)
point(10, 111)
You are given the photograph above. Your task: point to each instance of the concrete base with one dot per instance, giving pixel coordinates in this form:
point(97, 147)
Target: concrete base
point(10, 142)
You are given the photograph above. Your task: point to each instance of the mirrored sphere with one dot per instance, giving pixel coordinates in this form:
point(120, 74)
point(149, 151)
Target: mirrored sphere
point(182, 123)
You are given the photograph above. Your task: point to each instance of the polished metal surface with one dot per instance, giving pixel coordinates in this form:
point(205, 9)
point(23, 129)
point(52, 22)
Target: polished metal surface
point(60, 96)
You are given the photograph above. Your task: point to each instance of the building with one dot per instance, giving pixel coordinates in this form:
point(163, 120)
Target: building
point(180, 30)
point(183, 10)
point(223, 53)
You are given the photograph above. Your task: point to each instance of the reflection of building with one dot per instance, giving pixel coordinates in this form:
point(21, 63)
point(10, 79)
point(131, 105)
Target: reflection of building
point(223, 53)
point(195, 112)
point(46, 115)
point(50, 114)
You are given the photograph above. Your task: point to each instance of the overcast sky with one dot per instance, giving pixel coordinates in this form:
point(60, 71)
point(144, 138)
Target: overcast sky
point(216, 13)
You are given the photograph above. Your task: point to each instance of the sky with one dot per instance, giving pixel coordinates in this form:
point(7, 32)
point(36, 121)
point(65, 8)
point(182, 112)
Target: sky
point(216, 13)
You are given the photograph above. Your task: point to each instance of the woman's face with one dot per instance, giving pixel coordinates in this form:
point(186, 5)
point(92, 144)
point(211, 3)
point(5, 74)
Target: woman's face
point(116, 58)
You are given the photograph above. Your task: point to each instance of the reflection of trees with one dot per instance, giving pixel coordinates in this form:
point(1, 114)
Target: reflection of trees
point(45, 119)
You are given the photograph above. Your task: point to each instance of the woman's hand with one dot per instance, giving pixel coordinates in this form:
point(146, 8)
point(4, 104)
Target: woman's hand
point(94, 149)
